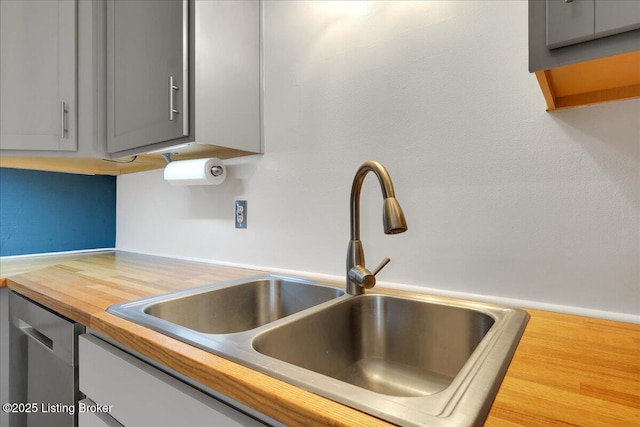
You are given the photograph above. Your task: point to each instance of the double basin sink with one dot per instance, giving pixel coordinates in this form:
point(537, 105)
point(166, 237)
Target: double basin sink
point(407, 358)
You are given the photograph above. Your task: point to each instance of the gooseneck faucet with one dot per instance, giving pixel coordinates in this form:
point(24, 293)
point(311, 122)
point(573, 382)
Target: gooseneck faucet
point(358, 276)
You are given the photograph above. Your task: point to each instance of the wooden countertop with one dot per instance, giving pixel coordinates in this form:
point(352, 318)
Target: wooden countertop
point(567, 370)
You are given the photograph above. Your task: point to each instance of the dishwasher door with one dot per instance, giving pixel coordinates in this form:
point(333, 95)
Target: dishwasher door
point(43, 380)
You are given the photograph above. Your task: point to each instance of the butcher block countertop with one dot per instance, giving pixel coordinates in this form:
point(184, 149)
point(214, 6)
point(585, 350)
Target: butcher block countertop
point(567, 370)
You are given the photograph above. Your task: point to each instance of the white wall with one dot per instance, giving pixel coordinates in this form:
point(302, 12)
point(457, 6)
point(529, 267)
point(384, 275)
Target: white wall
point(502, 198)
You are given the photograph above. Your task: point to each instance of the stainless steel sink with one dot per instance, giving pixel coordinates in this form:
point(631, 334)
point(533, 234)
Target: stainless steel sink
point(241, 307)
point(388, 345)
point(405, 357)
point(228, 307)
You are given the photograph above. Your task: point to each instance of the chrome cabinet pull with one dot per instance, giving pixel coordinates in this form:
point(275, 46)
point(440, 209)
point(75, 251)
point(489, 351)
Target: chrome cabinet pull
point(38, 336)
point(172, 89)
point(63, 119)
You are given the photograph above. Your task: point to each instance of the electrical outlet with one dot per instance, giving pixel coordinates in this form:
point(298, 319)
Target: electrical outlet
point(241, 214)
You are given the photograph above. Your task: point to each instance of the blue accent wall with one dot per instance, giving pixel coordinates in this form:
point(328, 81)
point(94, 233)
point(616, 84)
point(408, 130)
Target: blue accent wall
point(53, 212)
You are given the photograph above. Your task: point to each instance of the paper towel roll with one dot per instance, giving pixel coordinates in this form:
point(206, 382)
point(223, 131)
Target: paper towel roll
point(194, 172)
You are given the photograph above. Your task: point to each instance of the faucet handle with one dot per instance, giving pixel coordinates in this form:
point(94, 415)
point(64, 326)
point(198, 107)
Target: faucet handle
point(382, 265)
point(364, 277)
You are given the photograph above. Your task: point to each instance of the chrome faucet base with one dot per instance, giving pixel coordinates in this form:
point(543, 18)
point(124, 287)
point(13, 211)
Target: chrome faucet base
point(355, 257)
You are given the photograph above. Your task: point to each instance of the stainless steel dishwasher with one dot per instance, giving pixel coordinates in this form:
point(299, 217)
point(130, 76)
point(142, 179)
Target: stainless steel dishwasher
point(43, 366)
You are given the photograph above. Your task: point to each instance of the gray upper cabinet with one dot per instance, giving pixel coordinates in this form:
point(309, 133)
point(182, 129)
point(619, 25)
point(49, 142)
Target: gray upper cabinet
point(228, 74)
point(147, 75)
point(616, 16)
point(184, 71)
point(85, 82)
point(563, 32)
point(38, 106)
point(569, 22)
point(575, 21)
point(585, 52)
point(53, 78)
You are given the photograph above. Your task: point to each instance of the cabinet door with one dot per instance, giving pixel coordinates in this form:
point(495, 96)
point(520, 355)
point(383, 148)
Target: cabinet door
point(616, 16)
point(137, 394)
point(569, 22)
point(42, 364)
point(38, 75)
point(87, 418)
point(147, 76)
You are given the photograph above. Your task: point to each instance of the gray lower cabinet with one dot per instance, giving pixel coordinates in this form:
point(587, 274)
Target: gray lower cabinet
point(124, 390)
point(4, 353)
point(38, 107)
point(91, 416)
point(42, 365)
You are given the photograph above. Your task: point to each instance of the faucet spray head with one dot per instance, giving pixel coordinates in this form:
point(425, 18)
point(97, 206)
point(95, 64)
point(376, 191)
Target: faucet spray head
point(393, 217)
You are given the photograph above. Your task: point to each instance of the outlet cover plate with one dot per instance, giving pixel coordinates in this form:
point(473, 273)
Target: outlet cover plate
point(241, 213)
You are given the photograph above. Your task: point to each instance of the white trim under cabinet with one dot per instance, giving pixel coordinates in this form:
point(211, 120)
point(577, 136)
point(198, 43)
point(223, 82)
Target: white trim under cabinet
point(134, 393)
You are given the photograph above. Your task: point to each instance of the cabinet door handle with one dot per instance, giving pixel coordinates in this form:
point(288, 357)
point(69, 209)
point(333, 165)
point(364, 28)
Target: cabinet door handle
point(172, 89)
point(36, 335)
point(63, 119)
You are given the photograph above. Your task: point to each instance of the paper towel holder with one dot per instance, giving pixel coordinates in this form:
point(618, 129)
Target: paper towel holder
point(199, 171)
point(216, 170)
